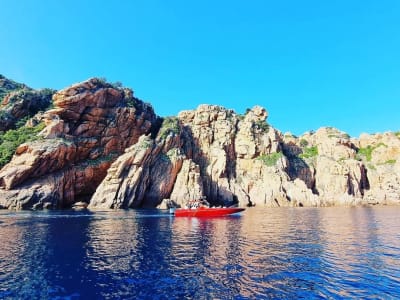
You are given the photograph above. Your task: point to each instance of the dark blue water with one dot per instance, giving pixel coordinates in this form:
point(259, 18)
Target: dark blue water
point(261, 254)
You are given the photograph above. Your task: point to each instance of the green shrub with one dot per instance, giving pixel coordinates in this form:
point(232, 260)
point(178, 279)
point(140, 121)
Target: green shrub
point(169, 125)
point(131, 102)
point(8, 85)
point(263, 125)
point(21, 122)
point(309, 152)
point(380, 144)
point(367, 151)
point(10, 141)
point(303, 143)
point(270, 159)
point(173, 153)
point(397, 133)
point(390, 161)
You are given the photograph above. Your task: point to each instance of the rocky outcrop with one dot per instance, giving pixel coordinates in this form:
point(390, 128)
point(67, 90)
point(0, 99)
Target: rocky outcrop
point(233, 159)
point(19, 102)
point(142, 176)
point(104, 147)
point(227, 158)
point(91, 125)
point(381, 155)
point(8, 85)
point(188, 184)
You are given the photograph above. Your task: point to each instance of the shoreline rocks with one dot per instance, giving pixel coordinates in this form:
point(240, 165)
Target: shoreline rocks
point(103, 145)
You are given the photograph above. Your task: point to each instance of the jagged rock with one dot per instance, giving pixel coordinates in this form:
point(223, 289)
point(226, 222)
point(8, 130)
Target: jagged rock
point(233, 159)
point(89, 127)
point(80, 205)
point(382, 161)
point(102, 146)
point(142, 176)
point(188, 184)
point(167, 204)
point(19, 102)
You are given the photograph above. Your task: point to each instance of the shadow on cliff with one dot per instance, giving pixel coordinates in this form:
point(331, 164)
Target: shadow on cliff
point(297, 167)
point(216, 194)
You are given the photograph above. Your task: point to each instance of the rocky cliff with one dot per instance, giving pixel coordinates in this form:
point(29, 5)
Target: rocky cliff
point(105, 147)
point(90, 125)
point(19, 102)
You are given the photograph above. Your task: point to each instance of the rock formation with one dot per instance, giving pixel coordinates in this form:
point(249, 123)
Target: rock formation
point(91, 125)
point(106, 148)
point(19, 102)
point(233, 159)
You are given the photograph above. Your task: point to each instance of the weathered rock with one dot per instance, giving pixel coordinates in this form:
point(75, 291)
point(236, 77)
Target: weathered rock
point(80, 205)
point(98, 147)
point(19, 102)
point(167, 204)
point(89, 127)
point(141, 177)
point(381, 155)
point(188, 184)
point(242, 160)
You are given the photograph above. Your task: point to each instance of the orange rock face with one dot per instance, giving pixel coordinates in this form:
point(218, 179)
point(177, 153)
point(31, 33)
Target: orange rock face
point(88, 129)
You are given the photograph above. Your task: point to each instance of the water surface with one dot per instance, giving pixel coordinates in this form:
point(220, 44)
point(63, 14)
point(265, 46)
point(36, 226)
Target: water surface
point(260, 254)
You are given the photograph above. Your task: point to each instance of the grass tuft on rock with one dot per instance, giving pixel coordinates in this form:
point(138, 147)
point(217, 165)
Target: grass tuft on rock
point(10, 140)
point(309, 152)
point(270, 159)
point(367, 151)
point(170, 125)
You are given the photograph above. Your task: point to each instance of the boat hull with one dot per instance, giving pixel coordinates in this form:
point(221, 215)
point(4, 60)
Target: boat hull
point(207, 212)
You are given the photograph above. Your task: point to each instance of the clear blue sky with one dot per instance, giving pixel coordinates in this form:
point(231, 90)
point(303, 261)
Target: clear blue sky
point(309, 63)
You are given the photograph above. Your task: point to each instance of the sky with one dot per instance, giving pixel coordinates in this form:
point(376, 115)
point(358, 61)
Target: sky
point(309, 63)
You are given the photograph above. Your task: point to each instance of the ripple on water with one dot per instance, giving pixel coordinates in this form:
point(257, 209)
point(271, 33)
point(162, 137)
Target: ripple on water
point(265, 253)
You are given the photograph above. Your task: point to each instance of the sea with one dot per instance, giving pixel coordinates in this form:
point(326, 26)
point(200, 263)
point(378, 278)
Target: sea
point(261, 253)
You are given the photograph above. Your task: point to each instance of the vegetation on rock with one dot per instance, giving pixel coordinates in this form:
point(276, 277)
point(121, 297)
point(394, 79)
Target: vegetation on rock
point(309, 152)
point(367, 151)
point(168, 126)
point(390, 161)
point(96, 162)
point(10, 140)
point(173, 153)
point(7, 86)
point(262, 125)
point(303, 143)
point(270, 159)
point(96, 121)
point(20, 102)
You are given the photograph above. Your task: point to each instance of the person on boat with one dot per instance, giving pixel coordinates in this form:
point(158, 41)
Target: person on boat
point(191, 204)
point(204, 203)
point(197, 203)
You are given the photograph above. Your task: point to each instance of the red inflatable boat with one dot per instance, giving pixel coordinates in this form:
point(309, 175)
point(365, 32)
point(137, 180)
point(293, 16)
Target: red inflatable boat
point(206, 211)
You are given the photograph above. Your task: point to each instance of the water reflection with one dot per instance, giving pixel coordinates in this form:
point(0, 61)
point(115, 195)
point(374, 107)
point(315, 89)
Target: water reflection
point(37, 251)
point(357, 242)
point(22, 255)
point(264, 253)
